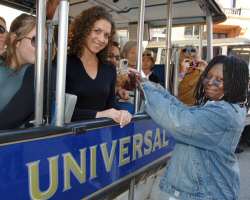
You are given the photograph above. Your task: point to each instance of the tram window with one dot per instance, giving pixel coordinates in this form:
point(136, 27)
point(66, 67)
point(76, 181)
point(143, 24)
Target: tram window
point(219, 35)
point(216, 51)
point(191, 30)
point(163, 53)
point(154, 50)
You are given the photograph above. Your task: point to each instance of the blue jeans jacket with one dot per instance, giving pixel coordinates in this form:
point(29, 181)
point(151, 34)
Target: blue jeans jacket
point(203, 164)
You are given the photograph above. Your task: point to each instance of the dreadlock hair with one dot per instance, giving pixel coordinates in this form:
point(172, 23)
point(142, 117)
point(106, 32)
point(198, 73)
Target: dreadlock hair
point(235, 76)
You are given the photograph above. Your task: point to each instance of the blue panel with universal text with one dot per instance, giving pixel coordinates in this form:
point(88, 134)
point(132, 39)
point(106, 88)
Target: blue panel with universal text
point(74, 166)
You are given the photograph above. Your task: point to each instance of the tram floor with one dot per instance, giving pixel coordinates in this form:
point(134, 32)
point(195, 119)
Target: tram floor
point(244, 161)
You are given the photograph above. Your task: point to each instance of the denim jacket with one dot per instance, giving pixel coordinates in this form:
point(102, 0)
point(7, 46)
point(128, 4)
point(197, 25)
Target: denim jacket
point(203, 164)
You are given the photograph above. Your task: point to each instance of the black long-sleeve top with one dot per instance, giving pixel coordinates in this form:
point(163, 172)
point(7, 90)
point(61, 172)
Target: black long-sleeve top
point(93, 95)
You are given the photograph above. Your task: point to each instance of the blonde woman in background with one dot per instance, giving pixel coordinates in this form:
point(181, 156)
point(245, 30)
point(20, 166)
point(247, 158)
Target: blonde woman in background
point(17, 73)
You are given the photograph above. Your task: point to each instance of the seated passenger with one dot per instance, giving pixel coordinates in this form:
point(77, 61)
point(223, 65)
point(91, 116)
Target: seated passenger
point(89, 75)
point(129, 52)
point(114, 57)
point(148, 62)
point(17, 73)
point(122, 95)
point(114, 54)
point(3, 35)
point(125, 81)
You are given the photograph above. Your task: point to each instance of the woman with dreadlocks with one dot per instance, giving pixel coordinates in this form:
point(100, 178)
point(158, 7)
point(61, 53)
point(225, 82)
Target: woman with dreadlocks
point(203, 164)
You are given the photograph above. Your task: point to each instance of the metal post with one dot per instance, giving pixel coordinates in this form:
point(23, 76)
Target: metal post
point(176, 70)
point(140, 32)
point(39, 65)
point(168, 43)
point(50, 29)
point(249, 70)
point(61, 61)
point(200, 40)
point(131, 189)
point(209, 36)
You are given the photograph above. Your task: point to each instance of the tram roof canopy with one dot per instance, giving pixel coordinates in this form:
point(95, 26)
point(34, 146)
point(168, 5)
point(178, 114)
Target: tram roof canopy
point(127, 11)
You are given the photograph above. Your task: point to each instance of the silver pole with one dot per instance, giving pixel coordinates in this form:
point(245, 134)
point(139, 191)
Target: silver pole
point(168, 43)
point(50, 29)
point(176, 71)
point(209, 37)
point(61, 61)
point(131, 189)
point(140, 32)
point(39, 65)
point(200, 40)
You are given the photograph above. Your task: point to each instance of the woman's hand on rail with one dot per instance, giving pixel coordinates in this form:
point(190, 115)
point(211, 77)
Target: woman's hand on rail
point(125, 118)
point(122, 117)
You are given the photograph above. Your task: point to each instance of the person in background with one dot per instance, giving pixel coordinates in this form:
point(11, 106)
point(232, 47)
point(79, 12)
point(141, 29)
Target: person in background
point(51, 8)
point(129, 52)
point(208, 133)
point(148, 62)
point(89, 74)
point(3, 35)
point(128, 82)
point(190, 70)
point(114, 54)
point(114, 57)
point(17, 73)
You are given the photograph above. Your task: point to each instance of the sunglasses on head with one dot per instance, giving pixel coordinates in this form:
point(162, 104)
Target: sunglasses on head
point(2, 29)
point(32, 40)
point(189, 50)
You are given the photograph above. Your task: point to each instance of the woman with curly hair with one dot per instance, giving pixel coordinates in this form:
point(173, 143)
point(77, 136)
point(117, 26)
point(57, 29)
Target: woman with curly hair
point(89, 75)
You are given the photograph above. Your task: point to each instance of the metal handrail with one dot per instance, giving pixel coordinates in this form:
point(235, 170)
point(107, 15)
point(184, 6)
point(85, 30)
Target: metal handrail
point(168, 42)
point(61, 62)
point(140, 32)
point(209, 37)
point(39, 64)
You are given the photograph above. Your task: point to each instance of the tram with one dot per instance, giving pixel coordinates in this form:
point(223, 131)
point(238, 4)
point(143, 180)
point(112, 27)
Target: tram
point(224, 46)
point(91, 159)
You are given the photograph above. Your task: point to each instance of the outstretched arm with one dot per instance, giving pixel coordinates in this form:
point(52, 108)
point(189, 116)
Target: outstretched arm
point(202, 127)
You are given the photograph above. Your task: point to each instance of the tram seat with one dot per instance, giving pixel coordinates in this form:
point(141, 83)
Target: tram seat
point(70, 103)
point(159, 71)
